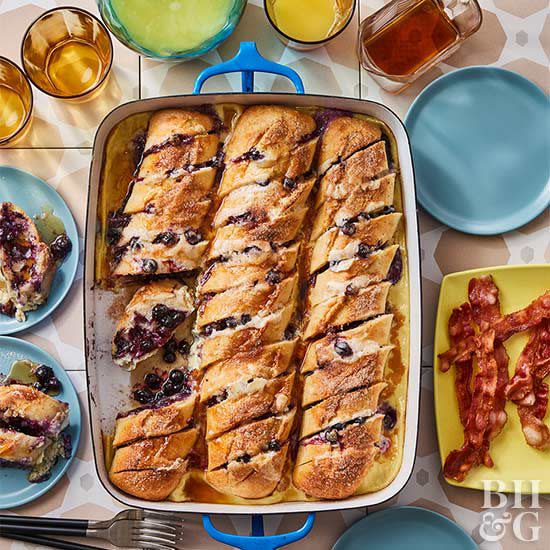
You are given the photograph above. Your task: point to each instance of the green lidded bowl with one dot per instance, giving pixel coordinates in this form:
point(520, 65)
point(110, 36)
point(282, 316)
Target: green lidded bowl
point(171, 29)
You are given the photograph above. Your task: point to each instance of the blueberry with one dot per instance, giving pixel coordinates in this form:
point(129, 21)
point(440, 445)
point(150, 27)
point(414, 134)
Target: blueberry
point(60, 247)
point(44, 373)
point(348, 229)
point(364, 250)
point(273, 445)
point(176, 376)
point(169, 388)
point(113, 236)
point(169, 357)
point(152, 380)
point(171, 346)
point(159, 395)
point(192, 237)
point(289, 184)
point(150, 266)
point(143, 396)
point(273, 276)
point(54, 384)
point(342, 348)
point(245, 318)
point(38, 386)
point(184, 347)
point(244, 458)
point(231, 322)
point(167, 238)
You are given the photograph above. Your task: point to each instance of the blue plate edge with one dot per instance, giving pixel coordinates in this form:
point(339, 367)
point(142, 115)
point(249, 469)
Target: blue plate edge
point(27, 324)
point(51, 482)
point(496, 230)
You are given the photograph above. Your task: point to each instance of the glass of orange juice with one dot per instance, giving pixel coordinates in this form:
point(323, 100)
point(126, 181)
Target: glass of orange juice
point(15, 102)
point(67, 53)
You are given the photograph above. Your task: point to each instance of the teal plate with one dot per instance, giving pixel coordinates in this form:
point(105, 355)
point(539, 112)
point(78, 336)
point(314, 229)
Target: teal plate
point(405, 528)
point(480, 140)
point(32, 194)
point(16, 489)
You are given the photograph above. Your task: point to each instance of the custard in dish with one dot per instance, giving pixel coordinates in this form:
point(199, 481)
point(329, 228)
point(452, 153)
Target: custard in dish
point(299, 354)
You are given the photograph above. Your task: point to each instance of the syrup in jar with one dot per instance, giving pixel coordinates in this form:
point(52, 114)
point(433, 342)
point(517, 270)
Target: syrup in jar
point(411, 40)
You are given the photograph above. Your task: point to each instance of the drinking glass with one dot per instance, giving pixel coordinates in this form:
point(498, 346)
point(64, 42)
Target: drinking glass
point(67, 53)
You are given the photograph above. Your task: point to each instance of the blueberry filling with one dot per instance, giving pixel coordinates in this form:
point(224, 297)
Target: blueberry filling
point(173, 141)
point(252, 154)
point(222, 324)
point(364, 250)
point(390, 415)
point(331, 434)
point(245, 217)
point(215, 399)
point(396, 268)
point(342, 348)
point(184, 347)
point(290, 332)
point(158, 401)
point(350, 290)
point(244, 458)
point(139, 146)
point(192, 237)
point(245, 318)
point(167, 238)
point(60, 247)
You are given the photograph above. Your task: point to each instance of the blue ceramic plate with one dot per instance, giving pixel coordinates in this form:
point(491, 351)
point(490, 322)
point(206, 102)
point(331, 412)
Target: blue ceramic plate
point(16, 490)
point(480, 140)
point(405, 528)
point(32, 194)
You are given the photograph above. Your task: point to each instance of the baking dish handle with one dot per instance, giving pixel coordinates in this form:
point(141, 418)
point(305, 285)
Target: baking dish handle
point(257, 541)
point(248, 61)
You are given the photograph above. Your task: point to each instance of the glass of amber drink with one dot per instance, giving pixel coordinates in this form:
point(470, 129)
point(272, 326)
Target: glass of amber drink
point(406, 38)
point(15, 102)
point(67, 53)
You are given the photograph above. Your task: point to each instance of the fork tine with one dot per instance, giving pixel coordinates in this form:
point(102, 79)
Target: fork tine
point(152, 545)
point(150, 541)
point(160, 535)
point(158, 524)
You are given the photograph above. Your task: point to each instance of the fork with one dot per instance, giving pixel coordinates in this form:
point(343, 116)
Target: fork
point(129, 528)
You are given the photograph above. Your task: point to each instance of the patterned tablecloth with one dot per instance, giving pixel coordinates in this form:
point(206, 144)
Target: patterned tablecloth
point(515, 35)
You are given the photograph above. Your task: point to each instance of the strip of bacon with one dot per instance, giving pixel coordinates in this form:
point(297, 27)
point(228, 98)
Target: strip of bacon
point(460, 327)
point(474, 449)
point(484, 298)
point(506, 326)
point(528, 390)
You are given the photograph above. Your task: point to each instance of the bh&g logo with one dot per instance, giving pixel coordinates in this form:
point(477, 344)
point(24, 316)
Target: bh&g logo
point(525, 524)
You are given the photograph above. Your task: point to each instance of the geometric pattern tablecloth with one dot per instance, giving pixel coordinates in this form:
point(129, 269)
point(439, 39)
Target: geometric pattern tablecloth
point(515, 35)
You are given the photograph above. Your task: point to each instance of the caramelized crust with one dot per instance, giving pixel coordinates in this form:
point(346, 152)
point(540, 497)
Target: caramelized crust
point(154, 422)
point(268, 361)
point(261, 397)
point(267, 143)
point(360, 201)
point(343, 310)
point(253, 268)
point(344, 136)
point(250, 440)
point(331, 471)
point(349, 276)
point(164, 452)
point(341, 408)
point(153, 484)
point(260, 299)
point(362, 340)
point(341, 376)
point(335, 245)
point(257, 478)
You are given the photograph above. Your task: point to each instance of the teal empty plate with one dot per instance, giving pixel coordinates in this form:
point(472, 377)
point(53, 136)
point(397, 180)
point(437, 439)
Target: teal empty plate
point(405, 528)
point(480, 140)
point(16, 490)
point(33, 195)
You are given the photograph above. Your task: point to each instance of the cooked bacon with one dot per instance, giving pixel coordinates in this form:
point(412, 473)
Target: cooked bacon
point(484, 298)
point(460, 327)
point(506, 326)
point(475, 447)
point(528, 390)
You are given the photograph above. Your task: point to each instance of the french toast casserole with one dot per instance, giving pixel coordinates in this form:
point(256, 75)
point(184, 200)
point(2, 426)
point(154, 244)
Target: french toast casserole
point(259, 267)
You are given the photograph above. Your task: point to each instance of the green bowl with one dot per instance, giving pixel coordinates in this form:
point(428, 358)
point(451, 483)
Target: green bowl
point(113, 22)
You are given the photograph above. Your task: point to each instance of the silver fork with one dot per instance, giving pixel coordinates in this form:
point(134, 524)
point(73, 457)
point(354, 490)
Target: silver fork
point(128, 529)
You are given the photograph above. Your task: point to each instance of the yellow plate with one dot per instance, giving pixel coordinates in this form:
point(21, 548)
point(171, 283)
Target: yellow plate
point(513, 458)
